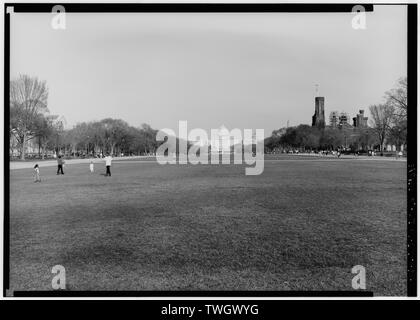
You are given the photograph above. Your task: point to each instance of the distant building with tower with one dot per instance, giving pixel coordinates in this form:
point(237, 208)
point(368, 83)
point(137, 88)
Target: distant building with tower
point(336, 120)
point(354, 131)
point(318, 119)
point(360, 121)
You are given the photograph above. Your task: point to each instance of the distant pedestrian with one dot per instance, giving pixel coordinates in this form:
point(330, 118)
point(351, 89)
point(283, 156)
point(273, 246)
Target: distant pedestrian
point(91, 166)
point(60, 163)
point(37, 177)
point(108, 160)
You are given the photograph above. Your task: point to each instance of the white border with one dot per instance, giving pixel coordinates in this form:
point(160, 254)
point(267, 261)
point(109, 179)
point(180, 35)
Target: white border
point(184, 298)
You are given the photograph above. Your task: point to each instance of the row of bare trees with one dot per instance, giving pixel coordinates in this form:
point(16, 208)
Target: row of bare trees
point(109, 135)
point(29, 118)
point(31, 123)
point(389, 119)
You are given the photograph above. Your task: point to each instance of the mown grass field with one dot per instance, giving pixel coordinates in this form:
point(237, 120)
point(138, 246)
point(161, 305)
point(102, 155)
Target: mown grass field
point(301, 225)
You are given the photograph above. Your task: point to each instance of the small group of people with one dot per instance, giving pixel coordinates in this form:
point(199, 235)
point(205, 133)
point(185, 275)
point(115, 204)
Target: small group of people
point(61, 162)
point(108, 161)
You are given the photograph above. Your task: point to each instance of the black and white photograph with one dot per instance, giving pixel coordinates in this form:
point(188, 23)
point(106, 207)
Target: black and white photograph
point(171, 149)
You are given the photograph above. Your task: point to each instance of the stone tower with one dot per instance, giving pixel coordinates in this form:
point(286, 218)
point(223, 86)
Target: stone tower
point(318, 119)
point(360, 121)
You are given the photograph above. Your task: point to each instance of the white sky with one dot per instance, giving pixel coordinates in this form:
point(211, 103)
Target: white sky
point(240, 70)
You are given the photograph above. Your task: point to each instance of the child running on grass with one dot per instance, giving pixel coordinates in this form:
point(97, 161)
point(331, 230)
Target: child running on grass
point(37, 178)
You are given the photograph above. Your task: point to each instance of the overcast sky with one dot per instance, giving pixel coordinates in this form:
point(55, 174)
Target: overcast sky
point(240, 70)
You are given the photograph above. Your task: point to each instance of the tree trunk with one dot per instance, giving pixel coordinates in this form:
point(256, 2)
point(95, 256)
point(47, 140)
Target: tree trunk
point(382, 144)
point(39, 147)
point(22, 150)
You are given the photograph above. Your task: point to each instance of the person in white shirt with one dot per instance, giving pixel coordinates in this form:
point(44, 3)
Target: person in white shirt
point(37, 178)
point(91, 166)
point(108, 160)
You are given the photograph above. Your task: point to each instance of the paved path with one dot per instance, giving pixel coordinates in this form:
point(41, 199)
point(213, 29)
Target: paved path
point(50, 163)
point(346, 156)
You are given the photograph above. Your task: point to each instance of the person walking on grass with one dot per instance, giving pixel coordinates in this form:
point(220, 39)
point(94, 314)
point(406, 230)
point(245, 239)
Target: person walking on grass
point(91, 166)
point(60, 163)
point(37, 178)
point(108, 160)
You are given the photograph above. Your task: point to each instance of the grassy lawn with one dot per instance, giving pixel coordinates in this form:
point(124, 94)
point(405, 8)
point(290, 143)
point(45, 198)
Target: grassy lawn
point(301, 225)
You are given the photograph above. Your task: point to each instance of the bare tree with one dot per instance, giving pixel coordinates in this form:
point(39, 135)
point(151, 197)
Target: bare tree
point(381, 121)
point(46, 131)
point(397, 98)
point(28, 99)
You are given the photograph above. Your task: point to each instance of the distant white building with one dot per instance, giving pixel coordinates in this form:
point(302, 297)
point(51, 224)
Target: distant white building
point(220, 140)
point(223, 140)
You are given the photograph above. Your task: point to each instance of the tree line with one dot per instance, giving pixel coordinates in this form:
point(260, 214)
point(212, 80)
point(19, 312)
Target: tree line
point(31, 123)
point(113, 136)
point(387, 125)
point(305, 137)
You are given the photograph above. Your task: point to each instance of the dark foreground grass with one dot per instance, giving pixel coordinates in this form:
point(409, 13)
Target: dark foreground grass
point(301, 225)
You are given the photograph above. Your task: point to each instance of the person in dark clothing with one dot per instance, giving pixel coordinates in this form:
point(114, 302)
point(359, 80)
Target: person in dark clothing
point(60, 163)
